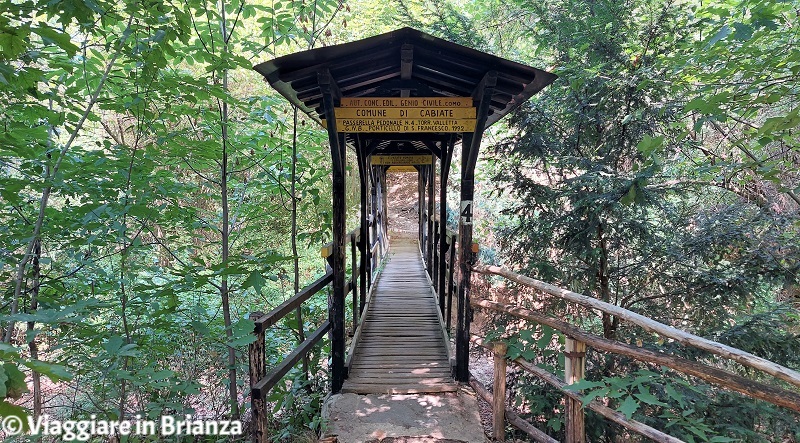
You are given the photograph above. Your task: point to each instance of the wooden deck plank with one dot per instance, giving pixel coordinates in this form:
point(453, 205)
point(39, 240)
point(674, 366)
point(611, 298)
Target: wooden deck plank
point(401, 349)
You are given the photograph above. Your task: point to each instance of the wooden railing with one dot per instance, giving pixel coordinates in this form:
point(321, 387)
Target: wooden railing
point(576, 343)
point(261, 381)
point(441, 271)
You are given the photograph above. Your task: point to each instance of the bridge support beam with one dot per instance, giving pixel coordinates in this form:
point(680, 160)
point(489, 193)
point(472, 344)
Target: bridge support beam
point(470, 145)
point(336, 305)
point(364, 243)
point(421, 177)
point(444, 164)
point(431, 169)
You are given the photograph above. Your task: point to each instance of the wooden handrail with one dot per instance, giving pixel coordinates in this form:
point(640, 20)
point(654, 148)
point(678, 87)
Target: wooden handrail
point(511, 416)
point(594, 405)
point(737, 355)
point(265, 384)
point(289, 305)
point(729, 380)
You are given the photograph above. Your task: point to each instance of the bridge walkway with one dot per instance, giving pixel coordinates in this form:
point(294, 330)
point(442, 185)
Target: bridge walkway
point(401, 346)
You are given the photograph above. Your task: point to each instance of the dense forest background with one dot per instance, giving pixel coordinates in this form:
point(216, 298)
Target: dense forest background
point(151, 184)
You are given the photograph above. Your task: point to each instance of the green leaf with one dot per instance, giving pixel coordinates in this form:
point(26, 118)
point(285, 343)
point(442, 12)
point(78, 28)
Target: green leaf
point(646, 397)
point(630, 196)
point(722, 33)
point(584, 384)
point(6, 348)
point(602, 392)
point(673, 394)
point(113, 344)
point(547, 336)
point(11, 45)
point(254, 280)
point(555, 424)
point(200, 327)
point(742, 31)
point(242, 341)
point(628, 407)
point(62, 39)
point(15, 384)
point(242, 333)
point(9, 410)
point(3, 380)
point(649, 144)
point(54, 372)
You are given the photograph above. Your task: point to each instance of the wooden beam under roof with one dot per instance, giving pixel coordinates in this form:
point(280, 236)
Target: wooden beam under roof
point(406, 65)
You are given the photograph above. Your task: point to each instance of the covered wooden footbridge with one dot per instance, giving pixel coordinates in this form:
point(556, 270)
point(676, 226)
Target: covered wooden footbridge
point(408, 98)
point(404, 97)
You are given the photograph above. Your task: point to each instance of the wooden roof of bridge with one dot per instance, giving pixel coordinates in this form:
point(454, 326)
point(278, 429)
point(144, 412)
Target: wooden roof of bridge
point(402, 63)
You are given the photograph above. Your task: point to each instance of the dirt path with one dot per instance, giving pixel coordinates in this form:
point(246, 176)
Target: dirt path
point(403, 203)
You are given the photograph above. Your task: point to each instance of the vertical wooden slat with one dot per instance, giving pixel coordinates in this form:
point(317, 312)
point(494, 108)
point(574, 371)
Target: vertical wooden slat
point(373, 207)
point(258, 370)
point(384, 210)
point(363, 233)
point(499, 406)
point(354, 279)
point(574, 368)
point(429, 227)
point(421, 204)
point(447, 153)
point(451, 270)
point(435, 262)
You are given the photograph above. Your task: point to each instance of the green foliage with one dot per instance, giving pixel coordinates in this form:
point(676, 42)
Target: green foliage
point(113, 160)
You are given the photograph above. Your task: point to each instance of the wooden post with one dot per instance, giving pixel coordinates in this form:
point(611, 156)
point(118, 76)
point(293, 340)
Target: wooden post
point(499, 394)
point(363, 234)
point(258, 370)
point(444, 164)
point(470, 145)
point(465, 259)
point(421, 205)
point(574, 368)
point(431, 170)
point(336, 306)
point(373, 207)
point(435, 262)
point(384, 209)
point(379, 190)
point(451, 270)
point(354, 280)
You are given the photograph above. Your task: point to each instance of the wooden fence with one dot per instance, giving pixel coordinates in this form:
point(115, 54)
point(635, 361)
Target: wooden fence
point(576, 344)
point(441, 270)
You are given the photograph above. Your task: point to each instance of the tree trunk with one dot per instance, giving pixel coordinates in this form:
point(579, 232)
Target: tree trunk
point(224, 291)
point(301, 335)
point(35, 376)
point(610, 323)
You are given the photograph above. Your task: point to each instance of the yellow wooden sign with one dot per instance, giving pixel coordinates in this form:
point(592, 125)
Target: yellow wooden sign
point(404, 125)
point(402, 169)
point(402, 160)
point(416, 113)
point(326, 251)
point(410, 102)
